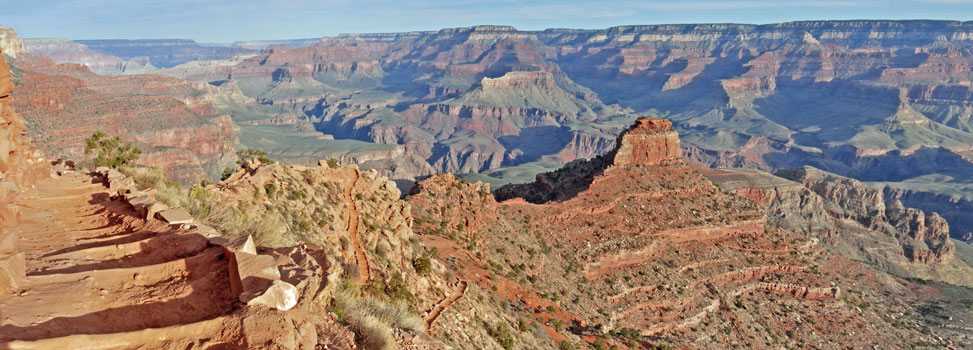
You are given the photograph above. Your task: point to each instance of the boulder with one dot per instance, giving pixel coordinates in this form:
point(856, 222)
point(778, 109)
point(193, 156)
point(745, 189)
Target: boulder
point(175, 216)
point(235, 244)
point(251, 274)
point(154, 209)
point(209, 232)
point(280, 295)
point(13, 272)
point(140, 202)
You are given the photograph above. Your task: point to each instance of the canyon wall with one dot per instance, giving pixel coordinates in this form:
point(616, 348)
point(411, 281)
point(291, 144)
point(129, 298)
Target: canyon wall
point(874, 100)
point(21, 167)
point(169, 118)
point(924, 236)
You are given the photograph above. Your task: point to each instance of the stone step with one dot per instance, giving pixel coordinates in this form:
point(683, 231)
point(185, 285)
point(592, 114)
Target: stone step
point(176, 337)
point(136, 249)
point(119, 299)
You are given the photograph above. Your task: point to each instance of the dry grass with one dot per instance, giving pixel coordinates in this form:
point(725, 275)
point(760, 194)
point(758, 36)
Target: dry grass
point(267, 230)
point(373, 319)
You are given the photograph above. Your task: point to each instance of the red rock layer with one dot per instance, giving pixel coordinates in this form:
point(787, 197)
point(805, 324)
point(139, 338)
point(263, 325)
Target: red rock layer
point(21, 166)
point(651, 141)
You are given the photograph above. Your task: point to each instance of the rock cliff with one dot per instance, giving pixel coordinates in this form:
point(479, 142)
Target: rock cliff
point(901, 241)
point(924, 236)
point(12, 45)
point(21, 167)
point(648, 142)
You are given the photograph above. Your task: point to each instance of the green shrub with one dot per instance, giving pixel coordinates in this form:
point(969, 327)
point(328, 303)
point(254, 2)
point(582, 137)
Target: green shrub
point(423, 264)
point(332, 163)
point(600, 344)
point(112, 152)
point(227, 173)
point(249, 154)
point(565, 345)
point(523, 325)
point(503, 335)
point(271, 189)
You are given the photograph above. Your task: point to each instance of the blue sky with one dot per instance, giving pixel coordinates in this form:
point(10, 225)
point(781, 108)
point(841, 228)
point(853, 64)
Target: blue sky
point(226, 21)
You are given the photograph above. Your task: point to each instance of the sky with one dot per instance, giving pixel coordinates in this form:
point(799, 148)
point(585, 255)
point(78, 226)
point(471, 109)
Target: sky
point(222, 21)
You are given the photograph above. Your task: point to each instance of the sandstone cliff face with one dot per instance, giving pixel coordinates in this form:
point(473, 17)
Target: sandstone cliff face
point(786, 203)
point(851, 97)
point(12, 45)
point(67, 51)
point(924, 236)
point(115, 57)
point(21, 166)
point(893, 238)
point(649, 142)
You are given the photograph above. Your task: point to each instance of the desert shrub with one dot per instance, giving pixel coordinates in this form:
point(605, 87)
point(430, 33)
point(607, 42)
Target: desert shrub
point(600, 344)
point(305, 225)
point(227, 172)
point(372, 319)
point(503, 335)
point(167, 192)
point(249, 154)
point(244, 156)
point(423, 264)
point(268, 230)
point(112, 151)
point(332, 163)
point(565, 345)
point(523, 325)
point(271, 190)
point(394, 289)
point(296, 194)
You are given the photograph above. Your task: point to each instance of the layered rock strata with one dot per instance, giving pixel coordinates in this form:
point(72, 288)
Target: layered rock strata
point(924, 236)
point(21, 167)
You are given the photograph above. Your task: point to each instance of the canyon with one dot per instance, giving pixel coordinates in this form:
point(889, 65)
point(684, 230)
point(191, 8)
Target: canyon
point(884, 102)
point(793, 185)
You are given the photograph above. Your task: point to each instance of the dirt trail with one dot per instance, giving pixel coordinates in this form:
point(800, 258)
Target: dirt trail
point(443, 305)
point(363, 269)
point(574, 212)
point(93, 268)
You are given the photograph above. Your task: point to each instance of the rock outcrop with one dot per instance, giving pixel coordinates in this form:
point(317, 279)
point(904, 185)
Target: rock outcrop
point(355, 215)
point(787, 203)
point(122, 278)
point(924, 236)
point(649, 142)
point(21, 167)
point(10, 44)
point(853, 220)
